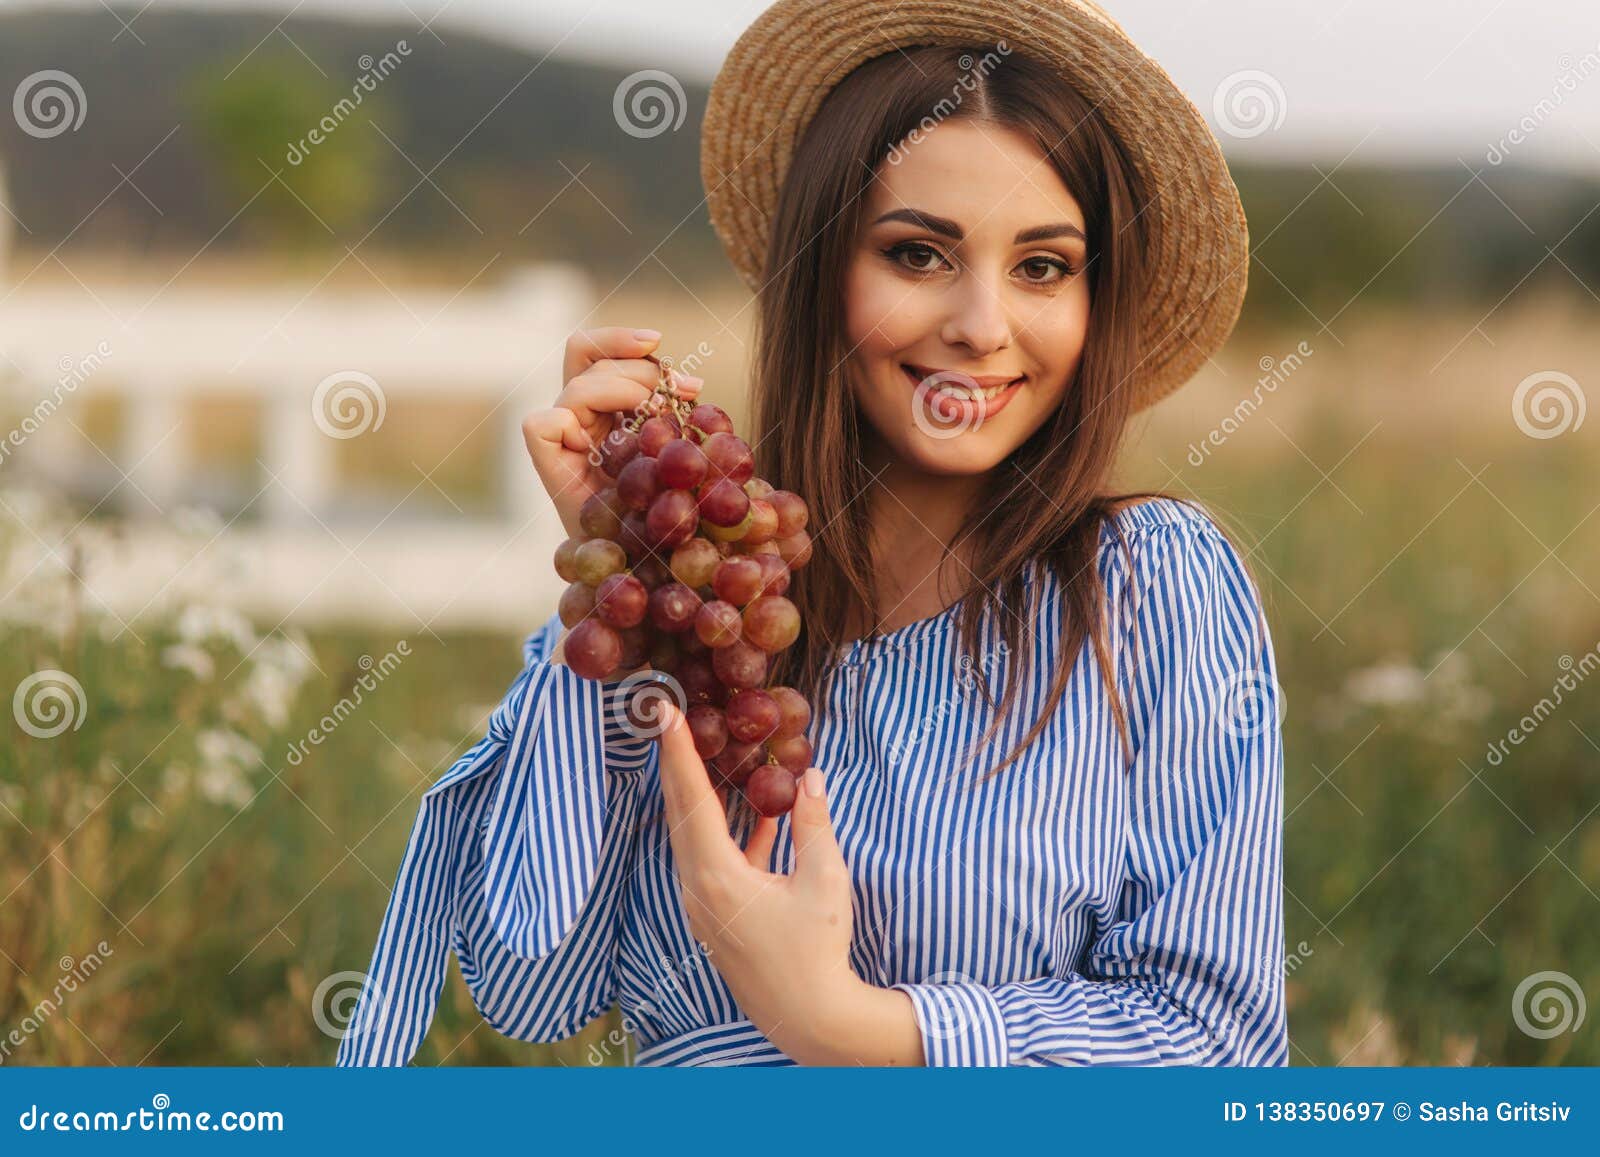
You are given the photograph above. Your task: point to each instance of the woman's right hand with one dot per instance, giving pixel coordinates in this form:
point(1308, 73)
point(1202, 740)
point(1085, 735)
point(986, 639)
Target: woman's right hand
point(607, 376)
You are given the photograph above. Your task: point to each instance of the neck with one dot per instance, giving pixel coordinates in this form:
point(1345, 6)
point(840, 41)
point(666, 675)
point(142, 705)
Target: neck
point(914, 515)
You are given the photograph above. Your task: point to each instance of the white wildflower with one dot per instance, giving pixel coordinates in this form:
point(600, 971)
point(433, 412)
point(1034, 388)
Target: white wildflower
point(226, 759)
point(200, 624)
point(188, 657)
point(1389, 684)
point(278, 667)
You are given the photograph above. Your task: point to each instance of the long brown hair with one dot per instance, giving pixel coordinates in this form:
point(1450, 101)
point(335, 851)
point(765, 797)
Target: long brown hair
point(1046, 500)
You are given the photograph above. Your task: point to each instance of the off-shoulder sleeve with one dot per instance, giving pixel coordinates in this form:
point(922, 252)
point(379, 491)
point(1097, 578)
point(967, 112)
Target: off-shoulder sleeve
point(515, 861)
point(1191, 969)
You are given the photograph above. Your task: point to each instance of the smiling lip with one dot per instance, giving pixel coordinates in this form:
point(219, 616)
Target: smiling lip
point(974, 406)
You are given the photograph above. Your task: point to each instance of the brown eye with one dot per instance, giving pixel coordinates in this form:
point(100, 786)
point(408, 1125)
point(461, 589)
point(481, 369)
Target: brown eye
point(1043, 267)
point(916, 252)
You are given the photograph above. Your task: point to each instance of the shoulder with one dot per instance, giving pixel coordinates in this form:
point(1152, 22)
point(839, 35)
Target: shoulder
point(1173, 552)
point(1158, 516)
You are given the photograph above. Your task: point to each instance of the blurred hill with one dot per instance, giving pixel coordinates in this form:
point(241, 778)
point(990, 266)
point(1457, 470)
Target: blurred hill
point(470, 148)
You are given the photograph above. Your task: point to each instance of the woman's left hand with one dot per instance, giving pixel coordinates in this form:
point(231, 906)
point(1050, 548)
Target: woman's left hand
point(782, 943)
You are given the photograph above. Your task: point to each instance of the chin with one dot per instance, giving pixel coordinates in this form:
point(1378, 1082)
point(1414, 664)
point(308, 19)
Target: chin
point(973, 452)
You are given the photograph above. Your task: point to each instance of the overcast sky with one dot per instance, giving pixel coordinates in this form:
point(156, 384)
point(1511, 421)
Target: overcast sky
point(1392, 79)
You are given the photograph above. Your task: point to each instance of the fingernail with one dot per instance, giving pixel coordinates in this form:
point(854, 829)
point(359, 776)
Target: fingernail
point(647, 334)
point(813, 783)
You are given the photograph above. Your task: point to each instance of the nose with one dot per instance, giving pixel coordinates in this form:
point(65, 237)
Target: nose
point(978, 318)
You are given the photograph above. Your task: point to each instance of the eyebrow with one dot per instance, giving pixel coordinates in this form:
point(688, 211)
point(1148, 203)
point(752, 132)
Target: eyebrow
point(948, 228)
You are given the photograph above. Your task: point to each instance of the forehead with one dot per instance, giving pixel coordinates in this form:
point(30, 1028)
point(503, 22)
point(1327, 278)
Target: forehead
point(989, 178)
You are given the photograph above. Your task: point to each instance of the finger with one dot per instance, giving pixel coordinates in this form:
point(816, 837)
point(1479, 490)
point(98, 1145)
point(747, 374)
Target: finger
point(597, 400)
point(758, 850)
point(696, 822)
point(553, 436)
point(816, 850)
point(587, 346)
point(642, 370)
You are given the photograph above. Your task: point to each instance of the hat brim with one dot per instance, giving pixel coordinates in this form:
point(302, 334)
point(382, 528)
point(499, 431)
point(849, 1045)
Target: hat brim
point(778, 73)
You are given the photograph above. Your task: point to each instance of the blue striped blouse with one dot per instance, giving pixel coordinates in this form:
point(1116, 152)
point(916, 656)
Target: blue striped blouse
point(1073, 909)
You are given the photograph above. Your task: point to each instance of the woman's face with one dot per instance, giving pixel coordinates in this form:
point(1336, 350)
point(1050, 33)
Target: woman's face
point(969, 272)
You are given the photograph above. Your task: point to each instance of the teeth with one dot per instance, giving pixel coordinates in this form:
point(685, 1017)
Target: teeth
point(959, 391)
point(963, 392)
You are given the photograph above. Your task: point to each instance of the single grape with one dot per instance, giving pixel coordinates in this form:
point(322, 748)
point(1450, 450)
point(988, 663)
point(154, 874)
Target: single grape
point(730, 456)
point(738, 760)
point(771, 790)
point(723, 503)
point(652, 572)
point(673, 607)
point(758, 488)
point(774, 574)
point(672, 519)
point(601, 514)
point(592, 649)
point(796, 711)
point(693, 562)
point(681, 465)
point(725, 536)
point(792, 752)
point(638, 485)
point(567, 559)
point(762, 548)
point(752, 716)
point(699, 680)
point(577, 604)
point(635, 538)
point(792, 512)
point(771, 622)
point(709, 728)
point(796, 549)
point(598, 559)
point(737, 580)
point(718, 624)
point(655, 433)
point(710, 419)
point(763, 523)
point(621, 601)
point(740, 665)
point(617, 449)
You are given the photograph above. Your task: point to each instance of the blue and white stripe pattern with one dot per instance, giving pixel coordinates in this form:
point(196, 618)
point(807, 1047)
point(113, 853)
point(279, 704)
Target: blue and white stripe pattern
point(1071, 910)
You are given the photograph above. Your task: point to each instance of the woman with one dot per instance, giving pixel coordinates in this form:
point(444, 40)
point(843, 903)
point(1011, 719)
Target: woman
point(1044, 826)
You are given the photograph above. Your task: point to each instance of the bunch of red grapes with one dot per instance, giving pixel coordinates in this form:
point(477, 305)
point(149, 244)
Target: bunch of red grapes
point(683, 564)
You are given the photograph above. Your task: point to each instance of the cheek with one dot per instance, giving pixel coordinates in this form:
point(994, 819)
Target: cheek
point(1054, 338)
point(883, 313)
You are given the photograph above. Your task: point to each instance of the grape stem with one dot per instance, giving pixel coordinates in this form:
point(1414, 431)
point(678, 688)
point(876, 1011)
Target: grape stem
point(664, 399)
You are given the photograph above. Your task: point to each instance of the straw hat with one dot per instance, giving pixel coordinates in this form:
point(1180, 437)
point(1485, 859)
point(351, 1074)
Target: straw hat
point(783, 66)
